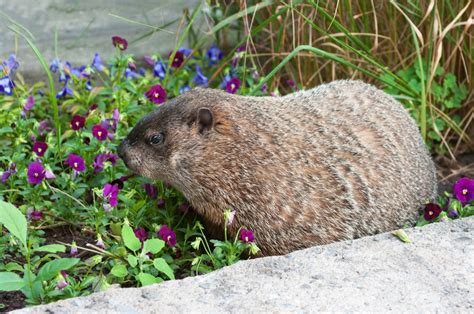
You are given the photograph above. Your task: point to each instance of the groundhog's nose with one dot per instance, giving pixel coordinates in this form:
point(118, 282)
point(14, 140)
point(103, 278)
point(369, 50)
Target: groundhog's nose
point(122, 150)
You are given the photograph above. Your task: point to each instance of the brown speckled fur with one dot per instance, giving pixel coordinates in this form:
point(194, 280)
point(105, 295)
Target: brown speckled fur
point(336, 162)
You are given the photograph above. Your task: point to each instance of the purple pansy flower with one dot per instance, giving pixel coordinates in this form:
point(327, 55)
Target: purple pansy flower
point(214, 55)
point(76, 163)
point(44, 126)
point(55, 65)
point(40, 148)
point(159, 70)
point(291, 83)
point(11, 170)
point(168, 235)
point(97, 62)
point(246, 235)
point(464, 190)
point(161, 203)
point(130, 74)
point(453, 214)
point(36, 215)
point(61, 281)
point(200, 78)
point(119, 42)
point(99, 242)
point(431, 211)
point(150, 190)
point(29, 103)
point(111, 193)
point(77, 122)
point(100, 159)
point(156, 94)
point(141, 234)
point(178, 59)
point(149, 60)
point(233, 85)
point(36, 173)
point(9, 68)
point(99, 132)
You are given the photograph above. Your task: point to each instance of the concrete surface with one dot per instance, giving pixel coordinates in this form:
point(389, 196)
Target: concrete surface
point(374, 274)
point(85, 27)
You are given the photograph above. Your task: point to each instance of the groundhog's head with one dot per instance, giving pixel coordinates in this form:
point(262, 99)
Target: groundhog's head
point(180, 138)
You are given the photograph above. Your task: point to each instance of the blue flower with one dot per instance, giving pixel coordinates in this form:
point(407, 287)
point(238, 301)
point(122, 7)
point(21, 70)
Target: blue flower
point(226, 80)
point(184, 89)
point(200, 78)
point(65, 91)
point(88, 85)
point(214, 55)
point(159, 70)
point(6, 85)
point(97, 62)
point(9, 68)
point(185, 51)
point(131, 74)
point(55, 65)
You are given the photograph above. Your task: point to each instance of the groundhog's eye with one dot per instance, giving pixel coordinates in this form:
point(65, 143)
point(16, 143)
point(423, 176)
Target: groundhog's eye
point(157, 138)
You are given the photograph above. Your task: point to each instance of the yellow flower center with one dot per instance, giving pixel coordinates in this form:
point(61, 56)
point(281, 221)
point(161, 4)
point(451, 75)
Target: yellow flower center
point(39, 149)
point(75, 165)
point(246, 239)
point(99, 133)
point(156, 95)
point(232, 86)
point(464, 192)
point(36, 174)
point(168, 238)
point(77, 123)
point(430, 213)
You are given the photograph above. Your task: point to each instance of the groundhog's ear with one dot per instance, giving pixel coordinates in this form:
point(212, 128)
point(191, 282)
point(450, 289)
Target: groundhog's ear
point(205, 119)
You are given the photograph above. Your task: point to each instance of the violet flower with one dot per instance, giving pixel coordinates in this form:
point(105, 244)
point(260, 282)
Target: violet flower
point(99, 132)
point(246, 235)
point(149, 60)
point(30, 102)
point(77, 122)
point(141, 234)
point(184, 89)
point(453, 214)
point(150, 190)
point(233, 85)
point(44, 125)
point(55, 65)
point(431, 211)
point(100, 159)
point(178, 59)
point(168, 235)
point(119, 42)
point(185, 51)
point(9, 68)
point(111, 194)
point(99, 242)
point(7, 173)
point(36, 173)
point(156, 94)
point(76, 163)
point(130, 74)
point(61, 281)
point(36, 215)
point(161, 203)
point(40, 148)
point(464, 190)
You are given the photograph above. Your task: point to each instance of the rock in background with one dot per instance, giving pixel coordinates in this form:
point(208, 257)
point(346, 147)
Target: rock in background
point(85, 27)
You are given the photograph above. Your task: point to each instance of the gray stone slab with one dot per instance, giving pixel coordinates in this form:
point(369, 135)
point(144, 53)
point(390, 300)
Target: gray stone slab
point(85, 27)
point(434, 273)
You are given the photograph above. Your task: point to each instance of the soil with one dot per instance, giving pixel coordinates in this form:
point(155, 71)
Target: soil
point(448, 171)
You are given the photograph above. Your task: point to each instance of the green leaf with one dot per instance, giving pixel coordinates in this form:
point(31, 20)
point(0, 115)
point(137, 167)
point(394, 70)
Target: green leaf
point(147, 279)
point(51, 248)
point(12, 218)
point(132, 260)
point(13, 266)
point(401, 234)
point(129, 238)
point(162, 266)
point(52, 268)
point(119, 270)
point(153, 246)
point(10, 282)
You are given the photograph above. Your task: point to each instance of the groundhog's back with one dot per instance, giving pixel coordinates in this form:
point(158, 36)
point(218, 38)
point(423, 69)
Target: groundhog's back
point(341, 161)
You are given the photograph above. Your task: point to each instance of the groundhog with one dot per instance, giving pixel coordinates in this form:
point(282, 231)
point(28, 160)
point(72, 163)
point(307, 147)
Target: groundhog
point(337, 162)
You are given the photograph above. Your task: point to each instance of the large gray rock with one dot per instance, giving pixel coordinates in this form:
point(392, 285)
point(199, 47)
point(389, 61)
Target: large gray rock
point(377, 274)
point(85, 27)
